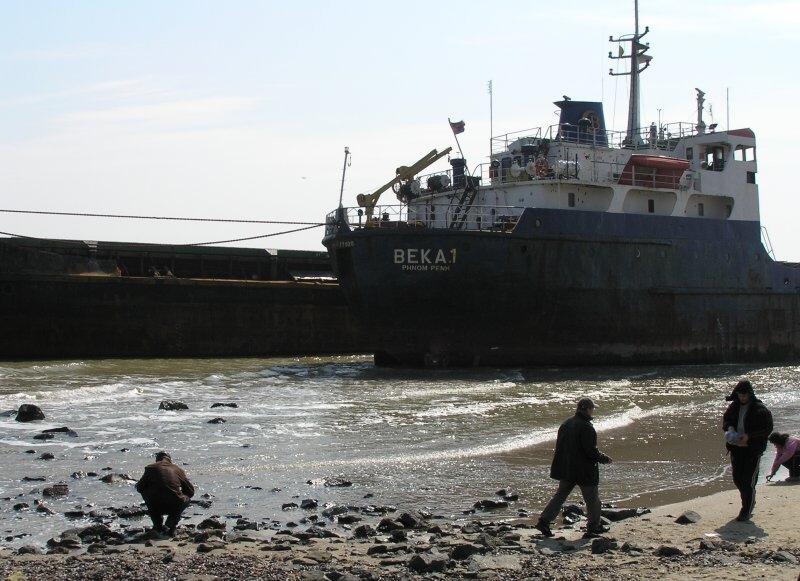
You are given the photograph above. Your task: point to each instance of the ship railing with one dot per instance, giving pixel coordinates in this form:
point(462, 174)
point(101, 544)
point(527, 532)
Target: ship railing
point(431, 215)
point(665, 138)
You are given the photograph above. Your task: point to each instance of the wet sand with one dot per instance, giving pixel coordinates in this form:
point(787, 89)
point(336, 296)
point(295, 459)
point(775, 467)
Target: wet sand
point(715, 547)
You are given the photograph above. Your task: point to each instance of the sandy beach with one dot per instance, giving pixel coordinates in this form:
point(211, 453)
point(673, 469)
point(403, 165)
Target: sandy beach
point(409, 545)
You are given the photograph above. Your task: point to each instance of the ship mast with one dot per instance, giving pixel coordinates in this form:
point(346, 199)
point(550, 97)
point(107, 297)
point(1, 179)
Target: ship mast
point(639, 62)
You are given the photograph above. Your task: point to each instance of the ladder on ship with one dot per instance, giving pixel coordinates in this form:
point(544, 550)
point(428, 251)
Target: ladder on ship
point(463, 206)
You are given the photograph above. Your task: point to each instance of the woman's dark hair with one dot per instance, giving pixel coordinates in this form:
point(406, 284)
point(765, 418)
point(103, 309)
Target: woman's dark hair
point(778, 438)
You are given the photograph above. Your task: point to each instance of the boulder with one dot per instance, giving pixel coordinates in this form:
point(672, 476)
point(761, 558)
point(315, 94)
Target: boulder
point(308, 504)
point(115, 478)
point(363, 531)
point(172, 405)
point(28, 412)
point(334, 510)
point(603, 545)
point(573, 508)
point(389, 524)
point(217, 421)
point(78, 475)
point(688, 517)
point(21, 506)
point(489, 504)
point(224, 405)
point(211, 523)
point(668, 551)
point(348, 519)
point(785, 557)
point(377, 550)
point(428, 562)
point(60, 489)
point(288, 506)
point(43, 508)
point(34, 479)
point(28, 550)
point(43, 437)
point(508, 494)
point(61, 430)
point(463, 551)
point(411, 521)
point(336, 482)
point(129, 511)
point(618, 514)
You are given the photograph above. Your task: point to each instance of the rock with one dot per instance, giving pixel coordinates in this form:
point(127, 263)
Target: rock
point(21, 506)
point(224, 405)
point(668, 551)
point(628, 547)
point(618, 514)
point(208, 547)
point(47, 456)
point(172, 405)
point(211, 523)
point(428, 562)
point(410, 521)
point(201, 503)
point(603, 545)
point(489, 504)
point(28, 550)
point(688, 517)
point(308, 504)
point(377, 550)
point(28, 412)
point(336, 482)
point(61, 430)
point(99, 531)
point(573, 508)
point(44, 509)
point(43, 437)
point(289, 506)
point(60, 489)
point(129, 511)
point(463, 551)
point(333, 510)
point(78, 475)
point(785, 557)
point(389, 524)
point(123, 450)
point(508, 494)
point(34, 479)
point(348, 519)
point(485, 563)
point(217, 421)
point(548, 552)
point(363, 532)
point(74, 514)
point(115, 478)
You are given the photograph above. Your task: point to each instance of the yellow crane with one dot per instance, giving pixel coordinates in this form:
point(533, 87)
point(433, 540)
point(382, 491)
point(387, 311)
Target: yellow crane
point(402, 174)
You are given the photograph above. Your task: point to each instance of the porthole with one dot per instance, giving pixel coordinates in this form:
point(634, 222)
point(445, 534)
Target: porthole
point(638, 253)
point(537, 223)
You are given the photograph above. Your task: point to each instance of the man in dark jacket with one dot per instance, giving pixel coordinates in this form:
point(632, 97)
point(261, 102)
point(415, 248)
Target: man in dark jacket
point(166, 491)
point(752, 422)
point(575, 463)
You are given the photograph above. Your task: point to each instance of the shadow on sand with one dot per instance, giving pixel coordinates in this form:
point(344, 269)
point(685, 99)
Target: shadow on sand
point(736, 531)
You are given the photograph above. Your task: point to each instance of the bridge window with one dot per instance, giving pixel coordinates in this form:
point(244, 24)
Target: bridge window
point(651, 206)
point(751, 177)
point(571, 199)
point(714, 159)
point(690, 153)
point(744, 153)
point(700, 209)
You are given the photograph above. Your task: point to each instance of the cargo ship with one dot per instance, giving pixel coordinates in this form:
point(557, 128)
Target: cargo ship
point(85, 299)
point(573, 244)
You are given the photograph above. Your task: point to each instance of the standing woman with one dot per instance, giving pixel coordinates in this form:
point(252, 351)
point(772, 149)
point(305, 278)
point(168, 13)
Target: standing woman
point(752, 423)
point(787, 453)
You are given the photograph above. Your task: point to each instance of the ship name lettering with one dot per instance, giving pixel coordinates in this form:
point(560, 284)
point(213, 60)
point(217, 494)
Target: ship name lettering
point(424, 256)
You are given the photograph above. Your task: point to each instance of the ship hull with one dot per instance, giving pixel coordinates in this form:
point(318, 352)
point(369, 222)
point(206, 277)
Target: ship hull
point(570, 288)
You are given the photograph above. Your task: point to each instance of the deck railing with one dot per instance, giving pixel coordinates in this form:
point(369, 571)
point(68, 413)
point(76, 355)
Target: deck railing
point(442, 216)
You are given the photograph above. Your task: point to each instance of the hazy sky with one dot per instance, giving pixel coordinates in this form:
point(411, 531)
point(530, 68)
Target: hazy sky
point(243, 108)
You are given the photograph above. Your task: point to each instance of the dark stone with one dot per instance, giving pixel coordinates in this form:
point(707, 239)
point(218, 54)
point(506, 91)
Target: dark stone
point(211, 523)
point(79, 474)
point(508, 494)
point(43, 508)
point(217, 421)
point(224, 405)
point(33, 479)
point(631, 548)
point(428, 562)
point(348, 519)
point(688, 517)
point(334, 510)
point(208, 547)
point(172, 405)
point(464, 551)
point(124, 450)
point(785, 557)
point(28, 412)
point(489, 504)
point(21, 506)
point(30, 451)
point(618, 514)
point(668, 551)
point(29, 550)
point(707, 545)
point(74, 514)
point(308, 504)
point(116, 479)
point(603, 545)
point(201, 503)
point(129, 511)
point(399, 536)
point(47, 456)
point(60, 489)
point(389, 524)
point(377, 550)
point(288, 506)
point(43, 437)
point(61, 430)
point(336, 482)
point(363, 531)
point(411, 521)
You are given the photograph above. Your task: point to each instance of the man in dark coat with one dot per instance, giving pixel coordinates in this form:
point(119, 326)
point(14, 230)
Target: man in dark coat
point(575, 463)
point(751, 422)
point(166, 491)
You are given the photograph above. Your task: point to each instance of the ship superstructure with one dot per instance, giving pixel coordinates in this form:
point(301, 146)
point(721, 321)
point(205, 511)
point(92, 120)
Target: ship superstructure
point(573, 243)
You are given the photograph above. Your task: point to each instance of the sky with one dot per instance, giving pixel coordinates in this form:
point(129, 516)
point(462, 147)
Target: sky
point(242, 109)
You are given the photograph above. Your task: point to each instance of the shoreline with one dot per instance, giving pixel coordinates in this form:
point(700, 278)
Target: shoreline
point(393, 544)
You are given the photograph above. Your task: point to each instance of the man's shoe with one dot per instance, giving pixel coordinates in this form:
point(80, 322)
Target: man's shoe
point(744, 516)
point(594, 532)
point(171, 532)
point(544, 528)
point(591, 534)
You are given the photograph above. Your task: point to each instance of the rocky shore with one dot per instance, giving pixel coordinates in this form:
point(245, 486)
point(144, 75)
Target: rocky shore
point(694, 539)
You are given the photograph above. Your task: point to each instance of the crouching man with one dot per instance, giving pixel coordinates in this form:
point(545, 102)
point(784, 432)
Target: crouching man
point(166, 491)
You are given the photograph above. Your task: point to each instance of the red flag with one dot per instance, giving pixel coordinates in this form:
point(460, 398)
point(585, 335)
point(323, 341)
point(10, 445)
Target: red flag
point(457, 127)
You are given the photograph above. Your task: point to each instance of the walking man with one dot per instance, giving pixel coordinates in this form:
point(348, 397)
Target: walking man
point(166, 491)
point(752, 423)
point(575, 464)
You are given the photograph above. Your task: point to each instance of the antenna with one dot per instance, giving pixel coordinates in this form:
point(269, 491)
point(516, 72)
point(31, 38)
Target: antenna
point(491, 130)
point(638, 57)
point(344, 169)
point(727, 108)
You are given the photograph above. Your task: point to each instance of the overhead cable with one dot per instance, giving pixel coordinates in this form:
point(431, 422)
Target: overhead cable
point(173, 218)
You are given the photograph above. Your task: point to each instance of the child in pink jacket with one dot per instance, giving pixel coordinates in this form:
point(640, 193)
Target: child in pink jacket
point(787, 453)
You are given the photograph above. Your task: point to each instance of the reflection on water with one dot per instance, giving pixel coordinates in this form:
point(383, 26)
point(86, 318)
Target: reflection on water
point(437, 439)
